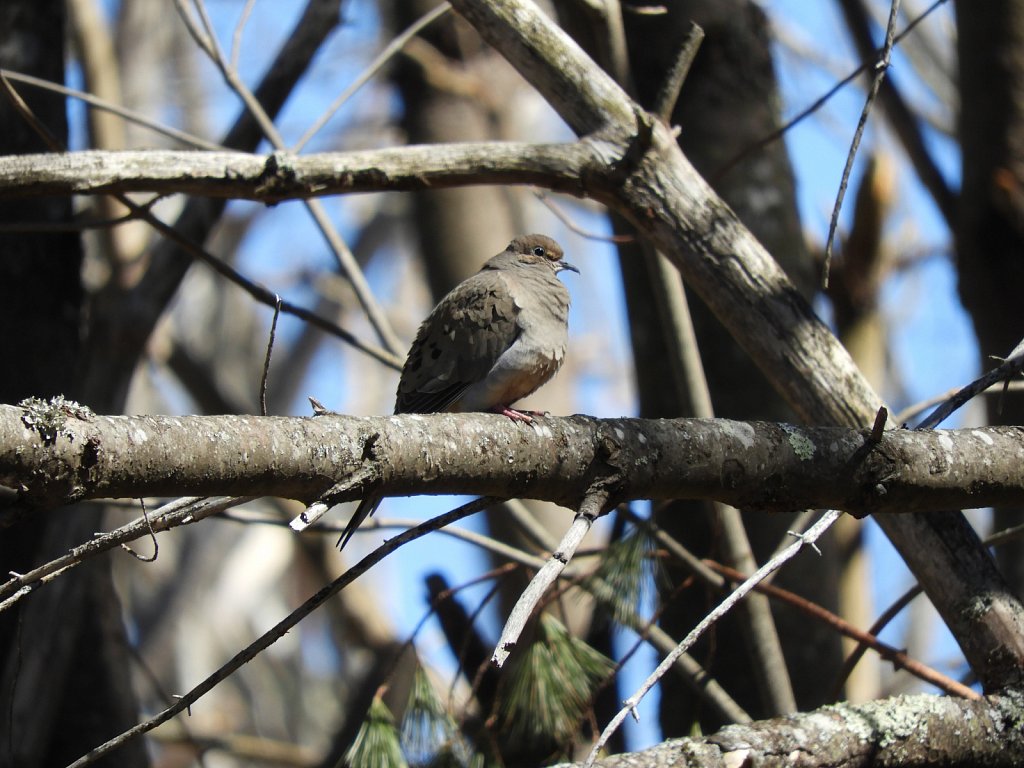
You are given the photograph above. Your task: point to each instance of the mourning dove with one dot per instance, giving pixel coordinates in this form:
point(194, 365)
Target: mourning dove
point(495, 338)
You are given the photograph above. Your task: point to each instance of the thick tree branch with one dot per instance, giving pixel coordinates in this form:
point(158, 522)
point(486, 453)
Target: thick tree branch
point(904, 731)
point(754, 465)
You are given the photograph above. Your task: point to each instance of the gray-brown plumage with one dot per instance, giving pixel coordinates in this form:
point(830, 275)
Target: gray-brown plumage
point(495, 338)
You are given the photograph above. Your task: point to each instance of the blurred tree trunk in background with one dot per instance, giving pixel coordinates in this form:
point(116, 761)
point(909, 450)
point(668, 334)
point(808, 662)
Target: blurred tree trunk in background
point(990, 226)
point(729, 101)
point(450, 93)
point(65, 683)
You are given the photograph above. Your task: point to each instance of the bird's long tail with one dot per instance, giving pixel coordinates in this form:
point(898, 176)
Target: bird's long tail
point(365, 509)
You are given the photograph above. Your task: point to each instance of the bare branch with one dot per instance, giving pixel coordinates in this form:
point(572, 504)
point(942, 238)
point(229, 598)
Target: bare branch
point(872, 734)
point(592, 507)
point(881, 67)
point(238, 175)
point(898, 658)
point(753, 465)
point(658, 190)
point(178, 512)
point(905, 124)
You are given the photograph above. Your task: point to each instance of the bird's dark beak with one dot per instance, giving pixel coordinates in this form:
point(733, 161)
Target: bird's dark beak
point(566, 265)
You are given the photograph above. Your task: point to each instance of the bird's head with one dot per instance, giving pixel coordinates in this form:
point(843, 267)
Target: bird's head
point(539, 249)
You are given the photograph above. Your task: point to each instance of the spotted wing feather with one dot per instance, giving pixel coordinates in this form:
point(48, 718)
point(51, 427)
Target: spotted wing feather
point(458, 344)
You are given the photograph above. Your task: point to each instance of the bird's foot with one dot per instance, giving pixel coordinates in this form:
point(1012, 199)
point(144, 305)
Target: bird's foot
point(526, 417)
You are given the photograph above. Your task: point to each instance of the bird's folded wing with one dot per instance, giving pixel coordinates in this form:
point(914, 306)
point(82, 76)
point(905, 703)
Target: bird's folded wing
point(458, 344)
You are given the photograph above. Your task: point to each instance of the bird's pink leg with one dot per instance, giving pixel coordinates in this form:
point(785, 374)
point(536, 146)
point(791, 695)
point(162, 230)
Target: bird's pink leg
point(526, 417)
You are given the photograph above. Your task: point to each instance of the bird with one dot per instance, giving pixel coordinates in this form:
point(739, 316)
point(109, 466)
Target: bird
point(495, 338)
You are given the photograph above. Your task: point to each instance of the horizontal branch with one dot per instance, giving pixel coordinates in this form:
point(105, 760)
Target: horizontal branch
point(55, 456)
point(281, 176)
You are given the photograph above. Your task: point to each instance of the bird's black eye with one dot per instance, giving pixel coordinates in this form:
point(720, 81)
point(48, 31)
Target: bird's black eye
point(538, 250)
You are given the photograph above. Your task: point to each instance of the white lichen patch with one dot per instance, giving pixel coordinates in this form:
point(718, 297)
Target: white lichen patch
point(739, 431)
point(985, 438)
point(542, 429)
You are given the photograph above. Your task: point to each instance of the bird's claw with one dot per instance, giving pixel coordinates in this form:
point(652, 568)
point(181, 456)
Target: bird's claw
point(526, 417)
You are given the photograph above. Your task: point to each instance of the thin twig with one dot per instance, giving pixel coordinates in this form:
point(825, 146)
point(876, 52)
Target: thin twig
point(665, 102)
point(107, 106)
point(691, 671)
point(803, 520)
point(370, 70)
point(236, 38)
point(266, 357)
point(1010, 368)
point(880, 67)
point(890, 613)
point(903, 121)
point(590, 509)
point(77, 224)
point(28, 115)
point(764, 644)
point(152, 535)
point(206, 38)
point(199, 37)
point(869, 639)
point(351, 269)
point(256, 291)
point(184, 511)
point(897, 606)
point(564, 217)
point(342, 253)
point(266, 296)
point(799, 117)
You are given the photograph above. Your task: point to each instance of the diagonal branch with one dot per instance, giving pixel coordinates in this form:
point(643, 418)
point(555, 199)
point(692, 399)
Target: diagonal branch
point(643, 175)
point(592, 507)
point(279, 630)
point(122, 318)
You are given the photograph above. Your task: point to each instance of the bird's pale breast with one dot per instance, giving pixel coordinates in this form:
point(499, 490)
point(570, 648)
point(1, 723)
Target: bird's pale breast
point(537, 352)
